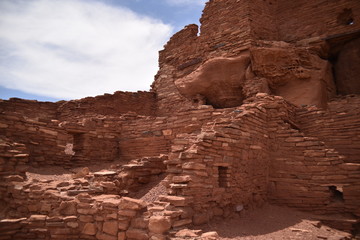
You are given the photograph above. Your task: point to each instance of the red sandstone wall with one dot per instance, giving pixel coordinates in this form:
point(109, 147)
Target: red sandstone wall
point(29, 108)
point(304, 163)
point(338, 126)
point(224, 27)
point(226, 166)
point(149, 136)
point(43, 139)
point(305, 19)
point(57, 143)
point(302, 169)
point(231, 27)
point(263, 19)
point(36, 125)
point(142, 103)
point(14, 159)
point(33, 124)
point(224, 31)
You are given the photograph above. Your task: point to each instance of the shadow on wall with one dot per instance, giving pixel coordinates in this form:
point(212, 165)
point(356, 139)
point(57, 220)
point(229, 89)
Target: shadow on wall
point(346, 61)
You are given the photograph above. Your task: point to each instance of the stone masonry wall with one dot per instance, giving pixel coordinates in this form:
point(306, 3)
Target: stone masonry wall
point(224, 31)
point(230, 28)
point(107, 218)
point(141, 103)
point(218, 171)
point(305, 19)
point(13, 161)
point(44, 140)
point(66, 144)
point(149, 136)
point(338, 126)
point(223, 168)
point(29, 108)
point(307, 171)
point(263, 20)
point(58, 133)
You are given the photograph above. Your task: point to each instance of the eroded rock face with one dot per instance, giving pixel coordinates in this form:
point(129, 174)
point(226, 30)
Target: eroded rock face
point(295, 74)
point(347, 69)
point(219, 81)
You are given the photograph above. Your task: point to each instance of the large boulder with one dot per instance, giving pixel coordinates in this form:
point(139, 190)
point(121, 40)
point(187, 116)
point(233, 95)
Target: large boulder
point(296, 74)
point(219, 81)
point(159, 224)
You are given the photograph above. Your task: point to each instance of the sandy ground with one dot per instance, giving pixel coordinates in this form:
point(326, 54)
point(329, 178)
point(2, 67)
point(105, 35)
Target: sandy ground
point(273, 223)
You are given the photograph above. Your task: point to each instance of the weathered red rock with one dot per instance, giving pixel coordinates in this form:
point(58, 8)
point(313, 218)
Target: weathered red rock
point(159, 224)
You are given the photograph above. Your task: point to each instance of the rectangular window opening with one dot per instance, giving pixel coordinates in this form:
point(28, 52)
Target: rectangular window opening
point(224, 176)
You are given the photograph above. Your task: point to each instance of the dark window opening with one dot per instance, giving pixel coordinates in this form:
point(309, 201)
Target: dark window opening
point(346, 17)
point(223, 177)
point(199, 99)
point(343, 57)
point(225, 102)
point(79, 140)
point(336, 194)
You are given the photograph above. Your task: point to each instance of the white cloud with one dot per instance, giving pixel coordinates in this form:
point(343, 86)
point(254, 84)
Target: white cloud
point(77, 48)
point(187, 2)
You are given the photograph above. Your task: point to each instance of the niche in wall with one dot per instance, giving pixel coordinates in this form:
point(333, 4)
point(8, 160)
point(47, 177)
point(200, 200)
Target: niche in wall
point(346, 17)
point(223, 177)
point(336, 194)
point(345, 57)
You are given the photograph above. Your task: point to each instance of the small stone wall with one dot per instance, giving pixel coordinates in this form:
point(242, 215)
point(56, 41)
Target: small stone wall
point(106, 218)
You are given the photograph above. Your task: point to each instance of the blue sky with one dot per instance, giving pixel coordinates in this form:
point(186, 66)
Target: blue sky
point(69, 49)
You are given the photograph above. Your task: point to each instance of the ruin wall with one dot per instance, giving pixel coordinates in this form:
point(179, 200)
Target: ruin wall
point(306, 19)
point(141, 103)
point(108, 217)
point(263, 20)
point(225, 168)
point(147, 136)
point(227, 34)
point(29, 108)
point(338, 126)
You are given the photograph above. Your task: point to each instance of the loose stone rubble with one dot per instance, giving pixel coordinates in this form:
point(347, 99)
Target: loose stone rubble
point(259, 107)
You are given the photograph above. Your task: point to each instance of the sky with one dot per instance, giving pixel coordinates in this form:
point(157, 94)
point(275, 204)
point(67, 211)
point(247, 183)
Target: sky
point(54, 50)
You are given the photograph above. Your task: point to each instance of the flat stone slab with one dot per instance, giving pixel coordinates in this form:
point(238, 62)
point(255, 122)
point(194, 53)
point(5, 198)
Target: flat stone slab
point(104, 173)
point(14, 220)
